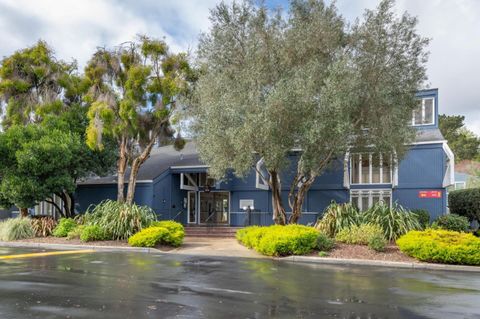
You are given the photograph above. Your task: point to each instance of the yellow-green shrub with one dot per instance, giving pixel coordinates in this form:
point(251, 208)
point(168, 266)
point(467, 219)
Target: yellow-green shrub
point(279, 240)
point(359, 235)
point(148, 237)
point(441, 246)
point(171, 225)
point(166, 232)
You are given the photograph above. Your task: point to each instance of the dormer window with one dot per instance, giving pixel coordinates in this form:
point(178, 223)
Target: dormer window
point(424, 113)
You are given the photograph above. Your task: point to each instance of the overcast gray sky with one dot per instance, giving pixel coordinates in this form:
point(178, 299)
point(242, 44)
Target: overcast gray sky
point(74, 28)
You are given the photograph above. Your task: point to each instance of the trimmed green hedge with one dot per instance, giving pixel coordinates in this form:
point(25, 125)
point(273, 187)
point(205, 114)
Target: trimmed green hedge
point(441, 246)
point(465, 202)
point(165, 232)
point(452, 222)
point(279, 240)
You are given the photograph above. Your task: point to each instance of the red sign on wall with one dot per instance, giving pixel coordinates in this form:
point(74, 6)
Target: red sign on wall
point(429, 194)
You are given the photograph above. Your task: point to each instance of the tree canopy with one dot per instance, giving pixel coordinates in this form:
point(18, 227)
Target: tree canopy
point(44, 121)
point(273, 82)
point(133, 92)
point(464, 143)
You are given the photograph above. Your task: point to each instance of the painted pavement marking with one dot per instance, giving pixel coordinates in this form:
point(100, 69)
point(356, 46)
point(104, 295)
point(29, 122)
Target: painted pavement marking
point(50, 253)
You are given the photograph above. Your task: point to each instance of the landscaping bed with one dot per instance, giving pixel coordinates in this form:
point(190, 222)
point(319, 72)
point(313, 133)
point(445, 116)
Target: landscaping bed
point(347, 251)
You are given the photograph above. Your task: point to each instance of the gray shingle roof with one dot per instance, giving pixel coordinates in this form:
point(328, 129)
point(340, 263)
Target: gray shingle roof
point(429, 135)
point(160, 160)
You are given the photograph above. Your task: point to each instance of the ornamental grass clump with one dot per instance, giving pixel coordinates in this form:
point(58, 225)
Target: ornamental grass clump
point(394, 221)
point(43, 226)
point(279, 240)
point(16, 228)
point(359, 234)
point(119, 220)
point(337, 217)
point(441, 246)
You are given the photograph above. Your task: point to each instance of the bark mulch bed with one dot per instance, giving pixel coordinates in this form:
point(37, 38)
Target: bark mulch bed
point(65, 241)
point(391, 253)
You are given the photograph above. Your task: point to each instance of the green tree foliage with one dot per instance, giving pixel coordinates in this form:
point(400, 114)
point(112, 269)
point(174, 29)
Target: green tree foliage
point(37, 89)
point(464, 143)
point(272, 82)
point(36, 164)
point(133, 91)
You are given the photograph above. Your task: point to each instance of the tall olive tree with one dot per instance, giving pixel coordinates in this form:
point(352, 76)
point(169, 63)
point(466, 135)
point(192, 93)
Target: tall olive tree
point(133, 90)
point(272, 83)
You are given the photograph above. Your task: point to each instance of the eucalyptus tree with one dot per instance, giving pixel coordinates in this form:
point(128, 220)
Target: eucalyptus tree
point(303, 83)
point(133, 92)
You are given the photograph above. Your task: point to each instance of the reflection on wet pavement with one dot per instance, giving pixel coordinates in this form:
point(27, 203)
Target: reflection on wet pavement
point(136, 285)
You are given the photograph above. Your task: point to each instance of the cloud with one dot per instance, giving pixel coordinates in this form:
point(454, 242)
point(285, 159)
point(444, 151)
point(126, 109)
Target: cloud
point(75, 28)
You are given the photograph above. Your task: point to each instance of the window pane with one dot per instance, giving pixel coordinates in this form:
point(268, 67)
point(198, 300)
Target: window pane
point(428, 111)
point(191, 208)
point(355, 201)
point(387, 169)
point(365, 169)
point(375, 168)
point(386, 200)
point(375, 199)
point(417, 114)
point(365, 202)
point(354, 169)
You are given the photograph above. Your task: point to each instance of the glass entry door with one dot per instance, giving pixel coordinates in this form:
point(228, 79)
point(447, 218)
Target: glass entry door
point(214, 207)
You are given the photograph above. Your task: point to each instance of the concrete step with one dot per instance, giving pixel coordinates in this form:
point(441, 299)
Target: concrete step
point(210, 231)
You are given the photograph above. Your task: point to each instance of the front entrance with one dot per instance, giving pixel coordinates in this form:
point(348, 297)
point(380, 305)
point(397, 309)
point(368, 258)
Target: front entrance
point(213, 208)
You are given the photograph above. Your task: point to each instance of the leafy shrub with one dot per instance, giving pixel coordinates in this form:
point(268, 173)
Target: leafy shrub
point(65, 225)
point(148, 237)
point(171, 225)
point(337, 217)
point(92, 233)
point(76, 232)
point(325, 243)
point(16, 228)
point(441, 246)
point(43, 226)
point(250, 236)
point(359, 235)
point(377, 242)
point(279, 240)
point(119, 220)
point(394, 221)
point(423, 217)
point(452, 222)
point(322, 254)
point(465, 202)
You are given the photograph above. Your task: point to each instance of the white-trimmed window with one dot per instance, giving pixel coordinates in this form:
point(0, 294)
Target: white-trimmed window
point(363, 199)
point(424, 113)
point(371, 168)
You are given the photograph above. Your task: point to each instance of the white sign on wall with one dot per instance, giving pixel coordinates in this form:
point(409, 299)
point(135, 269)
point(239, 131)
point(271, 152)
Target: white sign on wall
point(244, 203)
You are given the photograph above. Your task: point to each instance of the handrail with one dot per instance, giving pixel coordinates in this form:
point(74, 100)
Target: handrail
point(178, 214)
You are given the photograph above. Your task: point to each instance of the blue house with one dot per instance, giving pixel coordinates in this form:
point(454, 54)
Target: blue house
point(177, 185)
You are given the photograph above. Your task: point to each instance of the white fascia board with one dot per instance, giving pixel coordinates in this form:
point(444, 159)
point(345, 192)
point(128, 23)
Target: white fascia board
point(449, 178)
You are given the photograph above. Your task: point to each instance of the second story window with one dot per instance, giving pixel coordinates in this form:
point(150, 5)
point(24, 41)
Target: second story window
point(370, 168)
point(424, 113)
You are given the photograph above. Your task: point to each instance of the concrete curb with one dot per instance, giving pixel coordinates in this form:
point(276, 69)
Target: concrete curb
point(75, 247)
point(378, 263)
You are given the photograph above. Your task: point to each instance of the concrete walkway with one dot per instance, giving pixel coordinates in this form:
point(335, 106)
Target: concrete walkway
point(210, 246)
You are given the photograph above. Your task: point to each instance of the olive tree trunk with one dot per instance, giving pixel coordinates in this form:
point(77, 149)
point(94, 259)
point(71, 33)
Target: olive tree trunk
point(279, 215)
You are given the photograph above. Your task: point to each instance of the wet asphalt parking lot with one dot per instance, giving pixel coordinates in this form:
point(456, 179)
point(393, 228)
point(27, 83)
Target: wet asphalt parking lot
point(139, 285)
